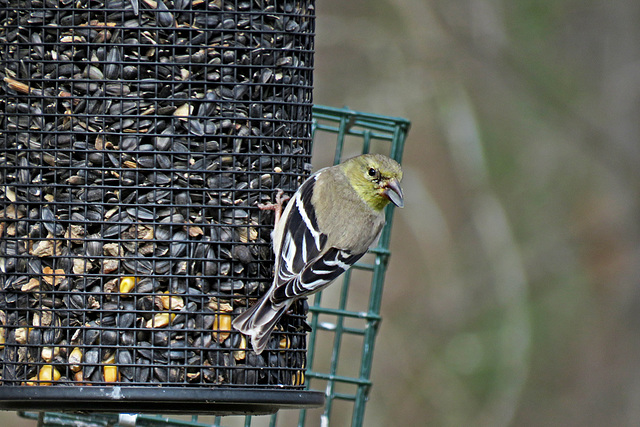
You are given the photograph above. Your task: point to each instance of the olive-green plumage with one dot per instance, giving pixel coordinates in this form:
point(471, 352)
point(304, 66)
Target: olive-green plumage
point(371, 176)
point(327, 226)
point(349, 200)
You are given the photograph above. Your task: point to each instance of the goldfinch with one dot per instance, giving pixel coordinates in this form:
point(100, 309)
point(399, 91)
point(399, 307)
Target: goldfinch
point(328, 225)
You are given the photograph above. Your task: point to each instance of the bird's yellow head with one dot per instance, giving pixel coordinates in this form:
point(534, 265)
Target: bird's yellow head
point(376, 178)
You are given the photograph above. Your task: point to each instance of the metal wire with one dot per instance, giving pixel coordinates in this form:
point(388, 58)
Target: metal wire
point(343, 331)
point(333, 324)
point(138, 139)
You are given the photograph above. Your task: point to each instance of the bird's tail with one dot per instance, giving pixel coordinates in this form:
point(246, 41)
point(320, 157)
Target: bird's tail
point(259, 320)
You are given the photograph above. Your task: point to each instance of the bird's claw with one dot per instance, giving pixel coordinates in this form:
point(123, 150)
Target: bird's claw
point(277, 207)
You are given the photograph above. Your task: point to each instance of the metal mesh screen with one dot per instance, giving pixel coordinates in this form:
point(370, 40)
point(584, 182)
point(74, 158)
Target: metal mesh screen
point(138, 138)
point(345, 317)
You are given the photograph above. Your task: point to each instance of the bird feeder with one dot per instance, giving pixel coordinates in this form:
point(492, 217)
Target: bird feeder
point(138, 138)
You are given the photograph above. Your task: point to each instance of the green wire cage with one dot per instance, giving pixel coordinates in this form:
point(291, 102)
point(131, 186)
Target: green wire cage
point(345, 318)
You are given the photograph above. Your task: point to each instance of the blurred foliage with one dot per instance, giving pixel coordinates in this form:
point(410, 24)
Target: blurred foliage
point(512, 295)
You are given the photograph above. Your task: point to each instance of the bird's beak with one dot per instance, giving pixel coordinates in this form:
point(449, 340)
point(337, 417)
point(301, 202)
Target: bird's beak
point(393, 191)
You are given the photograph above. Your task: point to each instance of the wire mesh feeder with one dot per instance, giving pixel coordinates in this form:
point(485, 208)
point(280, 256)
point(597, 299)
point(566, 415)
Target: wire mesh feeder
point(138, 138)
point(344, 318)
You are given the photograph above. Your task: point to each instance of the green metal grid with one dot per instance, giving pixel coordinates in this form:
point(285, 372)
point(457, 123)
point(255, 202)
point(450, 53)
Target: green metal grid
point(345, 317)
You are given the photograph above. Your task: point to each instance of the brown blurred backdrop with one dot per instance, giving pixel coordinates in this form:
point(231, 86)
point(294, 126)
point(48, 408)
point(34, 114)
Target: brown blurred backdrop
point(512, 297)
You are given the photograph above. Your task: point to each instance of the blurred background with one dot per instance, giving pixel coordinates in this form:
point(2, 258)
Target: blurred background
point(512, 296)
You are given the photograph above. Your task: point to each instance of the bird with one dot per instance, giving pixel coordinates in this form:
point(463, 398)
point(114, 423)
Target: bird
point(328, 225)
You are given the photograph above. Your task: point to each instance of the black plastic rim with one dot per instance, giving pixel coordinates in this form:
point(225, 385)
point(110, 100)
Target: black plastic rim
point(161, 400)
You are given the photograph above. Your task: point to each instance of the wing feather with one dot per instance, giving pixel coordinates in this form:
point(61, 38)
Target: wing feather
point(306, 265)
point(318, 274)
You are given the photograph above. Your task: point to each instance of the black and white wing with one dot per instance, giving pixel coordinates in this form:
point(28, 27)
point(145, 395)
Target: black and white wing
point(304, 264)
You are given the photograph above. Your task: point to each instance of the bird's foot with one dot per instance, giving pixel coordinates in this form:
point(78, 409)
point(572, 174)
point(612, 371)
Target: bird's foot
point(277, 207)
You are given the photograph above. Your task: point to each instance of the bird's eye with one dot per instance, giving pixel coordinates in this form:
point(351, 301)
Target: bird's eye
point(372, 172)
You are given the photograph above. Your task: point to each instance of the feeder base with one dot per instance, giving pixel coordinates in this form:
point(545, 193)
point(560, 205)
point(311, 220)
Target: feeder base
point(158, 400)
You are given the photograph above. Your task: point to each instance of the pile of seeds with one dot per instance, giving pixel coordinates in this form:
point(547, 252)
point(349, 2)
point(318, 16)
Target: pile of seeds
point(139, 137)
